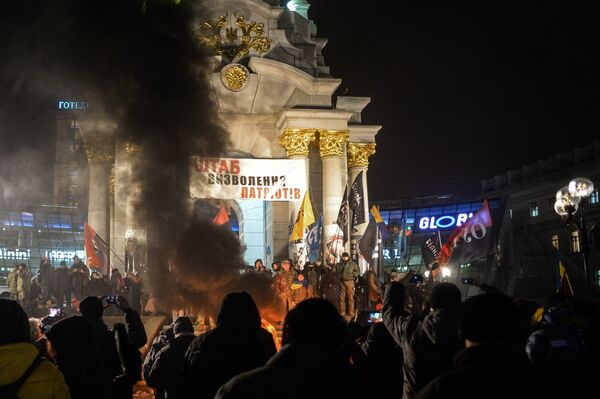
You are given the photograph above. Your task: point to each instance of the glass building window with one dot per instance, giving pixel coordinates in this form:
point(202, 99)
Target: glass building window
point(534, 210)
point(554, 240)
point(575, 247)
point(594, 198)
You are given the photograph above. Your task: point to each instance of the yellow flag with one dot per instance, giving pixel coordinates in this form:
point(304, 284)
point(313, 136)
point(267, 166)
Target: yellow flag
point(376, 214)
point(305, 218)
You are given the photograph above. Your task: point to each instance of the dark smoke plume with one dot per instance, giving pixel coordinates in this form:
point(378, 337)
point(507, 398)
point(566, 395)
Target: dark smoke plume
point(140, 65)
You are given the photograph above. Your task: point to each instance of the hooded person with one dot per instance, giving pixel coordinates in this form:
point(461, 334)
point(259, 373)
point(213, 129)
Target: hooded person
point(429, 342)
point(105, 342)
point(23, 372)
point(235, 345)
point(313, 362)
point(493, 364)
point(165, 337)
point(167, 370)
point(72, 345)
point(557, 350)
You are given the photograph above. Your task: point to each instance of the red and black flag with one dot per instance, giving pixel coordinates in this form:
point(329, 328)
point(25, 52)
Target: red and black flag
point(357, 202)
point(96, 250)
point(471, 241)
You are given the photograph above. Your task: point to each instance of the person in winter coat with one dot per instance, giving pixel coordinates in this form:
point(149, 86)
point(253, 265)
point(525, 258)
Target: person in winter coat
point(62, 284)
point(116, 282)
point(72, 345)
point(79, 278)
point(165, 337)
point(18, 354)
point(557, 351)
point(96, 286)
point(373, 292)
point(311, 363)
point(237, 344)
point(283, 284)
point(349, 272)
point(330, 285)
point(313, 280)
point(23, 284)
point(12, 282)
point(46, 278)
point(167, 371)
point(490, 366)
point(104, 341)
point(429, 342)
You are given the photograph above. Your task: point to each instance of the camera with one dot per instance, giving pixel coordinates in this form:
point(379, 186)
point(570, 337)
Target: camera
point(416, 278)
point(374, 317)
point(468, 280)
point(112, 300)
point(55, 312)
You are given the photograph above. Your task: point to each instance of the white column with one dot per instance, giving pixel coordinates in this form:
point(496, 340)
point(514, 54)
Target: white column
point(331, 146)
point(100, 153)
point(296, 143)
point(358, 161)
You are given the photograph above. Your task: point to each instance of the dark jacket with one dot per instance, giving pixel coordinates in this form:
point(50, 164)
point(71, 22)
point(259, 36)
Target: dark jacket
point(105, 344)
point(163, 339)
point(236, 345)
point(330, 286)
point(97, 287)
point(384, 360)
point(62, 280)
point(487, 371)
point(218, 355)
point(73, 340)
point(297, 371)
point(428, 343)
point(167, 371)
point(557, 353)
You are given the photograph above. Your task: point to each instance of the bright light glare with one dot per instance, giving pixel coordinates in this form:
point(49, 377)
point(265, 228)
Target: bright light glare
point(291, 5)
point(426, 273)
point(446, 272)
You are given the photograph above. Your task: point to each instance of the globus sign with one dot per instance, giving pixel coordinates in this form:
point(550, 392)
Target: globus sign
point(443, 221)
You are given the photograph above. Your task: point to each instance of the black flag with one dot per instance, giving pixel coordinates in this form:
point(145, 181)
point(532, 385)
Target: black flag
point(357, 202)
point(342, 219)
point(430, 249)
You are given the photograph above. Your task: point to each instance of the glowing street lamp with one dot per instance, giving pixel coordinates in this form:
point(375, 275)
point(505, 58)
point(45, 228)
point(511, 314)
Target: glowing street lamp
point(569, 200)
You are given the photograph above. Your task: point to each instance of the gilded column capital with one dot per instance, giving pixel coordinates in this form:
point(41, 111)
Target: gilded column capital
point(99, 149)
point(297, 141)
point(359, 153)
point(331, 142)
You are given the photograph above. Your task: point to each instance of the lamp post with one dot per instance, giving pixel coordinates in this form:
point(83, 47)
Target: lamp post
point(568, 200)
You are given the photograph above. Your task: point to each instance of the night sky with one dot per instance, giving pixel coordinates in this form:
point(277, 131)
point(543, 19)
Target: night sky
point(464, 90)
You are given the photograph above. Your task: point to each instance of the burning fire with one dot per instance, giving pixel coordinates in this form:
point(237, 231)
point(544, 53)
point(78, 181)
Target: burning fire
point(270, 328)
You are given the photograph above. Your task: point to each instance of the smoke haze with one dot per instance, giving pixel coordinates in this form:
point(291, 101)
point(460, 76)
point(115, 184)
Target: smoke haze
point(140, 66)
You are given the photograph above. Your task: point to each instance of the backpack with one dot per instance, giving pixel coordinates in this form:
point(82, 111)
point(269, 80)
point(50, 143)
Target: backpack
point(130, 357)
point(11, 391)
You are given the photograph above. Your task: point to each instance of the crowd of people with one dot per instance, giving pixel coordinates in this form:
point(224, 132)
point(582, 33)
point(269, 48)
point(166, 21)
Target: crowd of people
point(335, 282)
point(435, 346)
point(63, 287)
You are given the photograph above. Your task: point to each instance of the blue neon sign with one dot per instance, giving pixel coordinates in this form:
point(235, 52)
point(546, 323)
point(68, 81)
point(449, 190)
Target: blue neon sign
point(73, 105)
point(443, 222)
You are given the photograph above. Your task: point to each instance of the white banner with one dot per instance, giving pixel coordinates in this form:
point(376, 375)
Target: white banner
point(256, 179)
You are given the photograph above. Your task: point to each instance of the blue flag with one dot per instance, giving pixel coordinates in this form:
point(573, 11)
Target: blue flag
point(314, 240)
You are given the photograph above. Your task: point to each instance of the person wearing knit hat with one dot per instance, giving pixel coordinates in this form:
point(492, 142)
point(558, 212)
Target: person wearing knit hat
point(166, 372)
